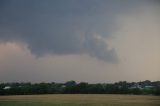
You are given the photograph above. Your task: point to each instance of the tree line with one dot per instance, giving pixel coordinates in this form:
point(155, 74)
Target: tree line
point(71, 87)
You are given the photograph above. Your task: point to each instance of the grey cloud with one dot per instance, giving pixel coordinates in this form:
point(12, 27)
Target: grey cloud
point(54, 26)
point(96, 46)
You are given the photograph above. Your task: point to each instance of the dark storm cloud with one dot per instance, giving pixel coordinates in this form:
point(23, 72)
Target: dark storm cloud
point(62, 27)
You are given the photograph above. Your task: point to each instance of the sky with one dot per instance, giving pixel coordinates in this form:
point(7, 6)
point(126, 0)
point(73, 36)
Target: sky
point(82, 40)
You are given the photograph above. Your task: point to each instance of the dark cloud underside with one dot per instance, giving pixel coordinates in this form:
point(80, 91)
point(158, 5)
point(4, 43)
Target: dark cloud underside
point(57, 27)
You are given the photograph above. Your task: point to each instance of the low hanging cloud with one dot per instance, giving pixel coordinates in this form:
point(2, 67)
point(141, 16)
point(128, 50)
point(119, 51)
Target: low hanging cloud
point(61, 28)
point(70, 27)
point(96, 46)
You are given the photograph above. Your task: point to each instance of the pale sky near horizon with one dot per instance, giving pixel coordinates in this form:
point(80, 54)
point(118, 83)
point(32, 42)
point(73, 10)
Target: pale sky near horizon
point(82, 40)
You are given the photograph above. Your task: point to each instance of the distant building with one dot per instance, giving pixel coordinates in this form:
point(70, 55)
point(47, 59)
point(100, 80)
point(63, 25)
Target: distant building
point(7, 87)
point(63, 86)
point(148, 87)
point(136, 86)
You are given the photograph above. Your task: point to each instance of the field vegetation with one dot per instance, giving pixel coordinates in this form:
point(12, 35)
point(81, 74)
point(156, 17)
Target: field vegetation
point(79, 100)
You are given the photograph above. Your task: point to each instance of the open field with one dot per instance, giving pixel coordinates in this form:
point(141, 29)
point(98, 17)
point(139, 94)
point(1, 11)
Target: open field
point(79, 100)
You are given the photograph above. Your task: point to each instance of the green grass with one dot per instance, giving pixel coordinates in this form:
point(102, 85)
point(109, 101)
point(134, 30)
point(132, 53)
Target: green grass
point(79, 100)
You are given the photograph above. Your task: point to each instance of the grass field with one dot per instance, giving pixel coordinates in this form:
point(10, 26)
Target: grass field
point(79, 100)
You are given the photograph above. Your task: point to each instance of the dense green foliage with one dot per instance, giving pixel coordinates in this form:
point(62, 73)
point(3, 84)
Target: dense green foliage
point(71, 87)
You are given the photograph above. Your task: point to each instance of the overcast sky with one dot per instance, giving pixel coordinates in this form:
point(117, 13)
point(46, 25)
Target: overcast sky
point(82, 40)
